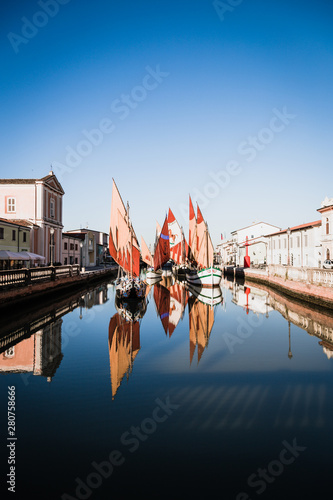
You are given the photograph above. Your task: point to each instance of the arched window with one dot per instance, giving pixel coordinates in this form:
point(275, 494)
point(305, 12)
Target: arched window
point(327, 226)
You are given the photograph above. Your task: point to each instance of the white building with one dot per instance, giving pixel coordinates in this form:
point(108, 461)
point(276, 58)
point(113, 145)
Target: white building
point(233, 251)
point(297, 246)
point(306, 245)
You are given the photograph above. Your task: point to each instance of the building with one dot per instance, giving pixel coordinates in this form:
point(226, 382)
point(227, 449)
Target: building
point(306, 245)
point(326, 212)
point(233, 251)
point(94, 246)
point(72, 248)
point(38, 201)
point(15, 236)
point(296, 246)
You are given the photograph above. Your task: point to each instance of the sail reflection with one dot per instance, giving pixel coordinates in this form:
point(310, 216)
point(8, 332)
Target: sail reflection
point(124, 338)
point(201, 320)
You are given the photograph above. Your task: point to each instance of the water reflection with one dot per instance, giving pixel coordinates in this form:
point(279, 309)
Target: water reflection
point(261, 300)
point(32, 342)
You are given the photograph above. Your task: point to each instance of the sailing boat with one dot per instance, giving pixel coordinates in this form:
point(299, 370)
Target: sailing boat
point(178, 245)
point(124, 249)
point(161, 253)
point(201, 252)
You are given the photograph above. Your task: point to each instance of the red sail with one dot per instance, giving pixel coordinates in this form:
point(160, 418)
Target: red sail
point(175, 238)
point(123, 244)
point(192, 247)
point(162, 250)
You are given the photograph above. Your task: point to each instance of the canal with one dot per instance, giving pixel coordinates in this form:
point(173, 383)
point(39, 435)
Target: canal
point(233, 401)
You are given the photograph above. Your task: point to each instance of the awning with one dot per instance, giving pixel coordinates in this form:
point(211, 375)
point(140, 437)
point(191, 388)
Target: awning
point(8, 255)
point(32, 256)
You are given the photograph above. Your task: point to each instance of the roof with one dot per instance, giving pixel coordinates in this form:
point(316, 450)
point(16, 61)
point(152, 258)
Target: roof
point(251, 225)
point(79, 236)
point(297, 228)
point(18, 222)
point(50, 177)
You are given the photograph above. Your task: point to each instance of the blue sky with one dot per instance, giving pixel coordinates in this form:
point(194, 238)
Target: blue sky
point(238, 115)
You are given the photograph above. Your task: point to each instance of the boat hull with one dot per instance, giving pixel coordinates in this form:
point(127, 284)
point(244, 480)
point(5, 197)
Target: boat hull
point(210, 296)
point(151, 274)
point(208, 277)
point(130, 289)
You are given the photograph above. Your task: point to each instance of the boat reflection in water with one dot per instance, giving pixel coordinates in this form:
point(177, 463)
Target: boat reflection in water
point(124, 338)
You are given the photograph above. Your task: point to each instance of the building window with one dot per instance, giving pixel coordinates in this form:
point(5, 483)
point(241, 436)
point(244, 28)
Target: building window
point(72, 246)
point(76, 247)
point(292, 259)
point(65, 261)
point(327, 226)
point(11, 205)
point(285, 243)
point(291, 242)
point(13, 234)
point(52, 208)
point(298, 241)
point(76, 260)
point(24, 237)
point(1, 233)
point(65, 245)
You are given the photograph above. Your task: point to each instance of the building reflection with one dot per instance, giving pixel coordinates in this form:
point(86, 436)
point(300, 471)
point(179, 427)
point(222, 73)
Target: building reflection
point(39, 354)
point(261, 300)
point(36, 347)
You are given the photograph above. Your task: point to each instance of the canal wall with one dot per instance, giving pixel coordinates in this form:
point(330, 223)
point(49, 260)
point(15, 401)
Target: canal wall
point(312, 286)
point(38, 293)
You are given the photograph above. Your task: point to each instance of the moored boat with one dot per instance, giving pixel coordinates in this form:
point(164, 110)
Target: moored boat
point(124, 249)
point(201, 252)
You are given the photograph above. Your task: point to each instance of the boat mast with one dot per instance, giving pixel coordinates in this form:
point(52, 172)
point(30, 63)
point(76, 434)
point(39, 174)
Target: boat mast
point(131, 241)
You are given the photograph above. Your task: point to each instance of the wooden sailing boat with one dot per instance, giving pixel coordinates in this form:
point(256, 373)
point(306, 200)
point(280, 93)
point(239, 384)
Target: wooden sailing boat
point(201, 252)
point(161, 253)
point(124, 249)
point(178, 245)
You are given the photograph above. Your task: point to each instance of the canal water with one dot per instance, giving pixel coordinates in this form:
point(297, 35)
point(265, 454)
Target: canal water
point(230, 401)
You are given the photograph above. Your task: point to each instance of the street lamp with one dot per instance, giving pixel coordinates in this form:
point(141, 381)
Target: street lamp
point(52, 244)
point(288, 233)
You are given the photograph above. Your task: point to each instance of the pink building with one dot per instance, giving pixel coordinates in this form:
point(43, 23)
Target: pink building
point(38, 201)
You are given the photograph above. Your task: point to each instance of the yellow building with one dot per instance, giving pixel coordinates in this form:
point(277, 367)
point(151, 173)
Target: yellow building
point(15, 238)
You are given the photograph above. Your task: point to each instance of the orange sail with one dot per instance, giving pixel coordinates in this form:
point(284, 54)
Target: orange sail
point(204, 246)
point(146, 255)
point(192, 236)
point(162, 250)
point(123, 244)
point(175, 239)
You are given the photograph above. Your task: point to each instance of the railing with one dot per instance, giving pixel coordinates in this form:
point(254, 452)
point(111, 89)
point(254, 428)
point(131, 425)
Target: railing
point(19, 277)
point(308, 275)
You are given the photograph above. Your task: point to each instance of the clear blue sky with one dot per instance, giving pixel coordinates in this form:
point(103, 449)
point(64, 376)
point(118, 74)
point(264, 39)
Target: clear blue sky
point(221, 84)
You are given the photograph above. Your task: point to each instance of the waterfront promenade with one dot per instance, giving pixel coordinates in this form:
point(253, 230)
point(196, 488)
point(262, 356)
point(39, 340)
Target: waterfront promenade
point(55, 283)
point(312, 285)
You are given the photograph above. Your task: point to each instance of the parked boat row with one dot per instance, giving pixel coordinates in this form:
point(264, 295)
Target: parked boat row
point(191, 261)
